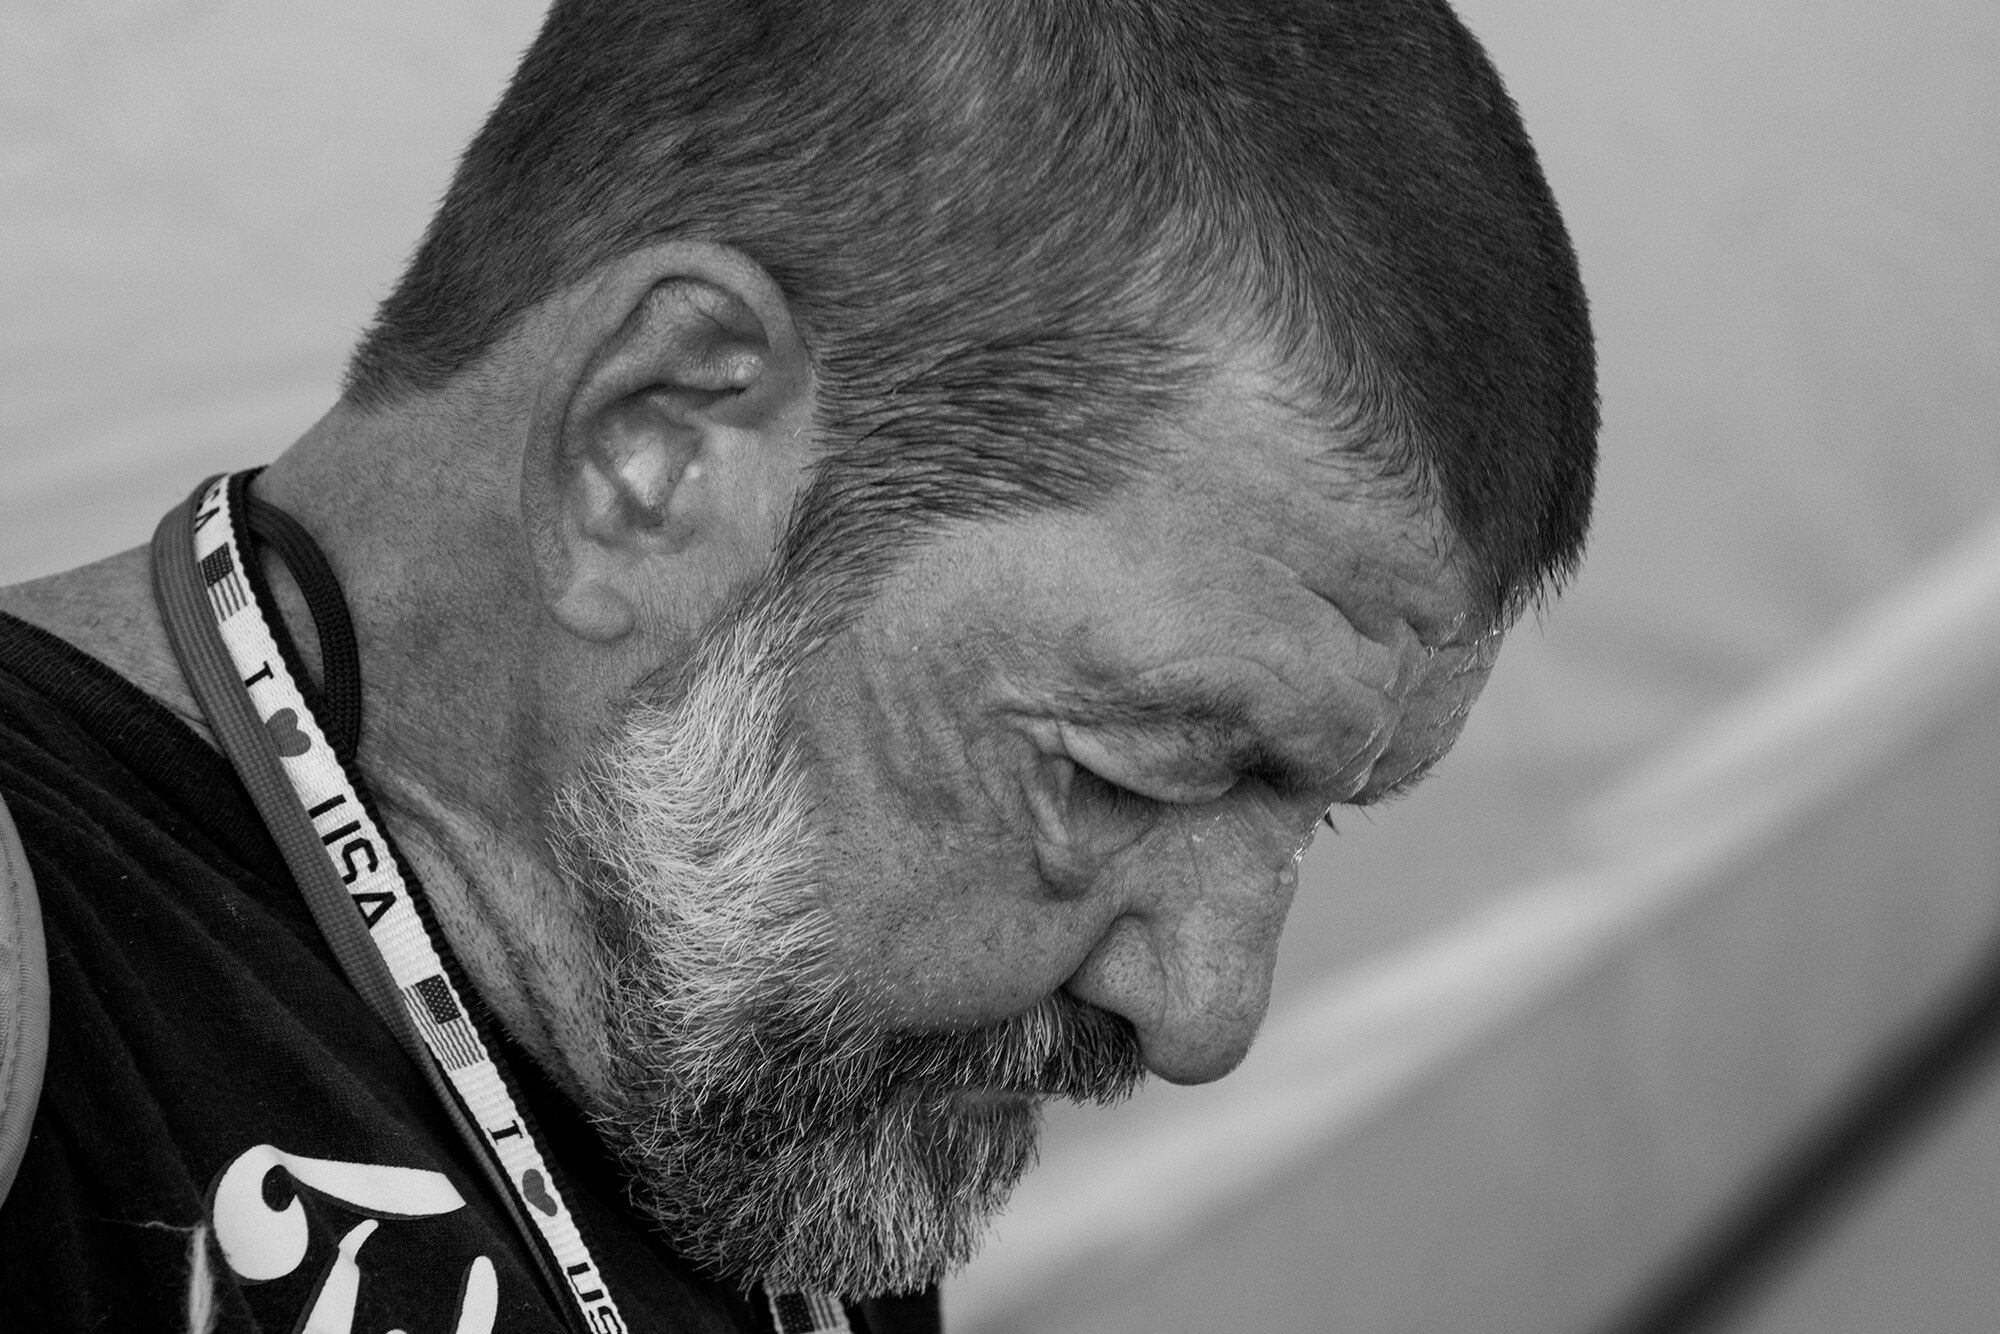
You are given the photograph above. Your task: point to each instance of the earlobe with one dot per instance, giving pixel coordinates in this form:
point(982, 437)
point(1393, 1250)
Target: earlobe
point(592, 611)
point(679, 437)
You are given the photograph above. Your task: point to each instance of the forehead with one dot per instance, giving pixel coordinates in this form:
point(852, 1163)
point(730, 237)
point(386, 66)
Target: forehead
point(1259, 584)
point(1243, 481)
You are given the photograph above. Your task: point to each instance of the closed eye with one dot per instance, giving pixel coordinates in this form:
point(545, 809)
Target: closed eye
point(1160, 774)
point(1123, 801)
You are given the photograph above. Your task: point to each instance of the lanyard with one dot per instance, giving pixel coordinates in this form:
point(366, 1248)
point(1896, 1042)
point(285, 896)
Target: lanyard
point(350, 874)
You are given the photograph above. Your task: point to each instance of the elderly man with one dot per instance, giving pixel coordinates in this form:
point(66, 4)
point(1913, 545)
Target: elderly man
point(831, 604)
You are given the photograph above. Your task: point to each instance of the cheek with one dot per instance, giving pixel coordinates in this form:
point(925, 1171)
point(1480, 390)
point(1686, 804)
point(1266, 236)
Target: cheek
point(930, 872)
point(949, 925)
point(950, 928)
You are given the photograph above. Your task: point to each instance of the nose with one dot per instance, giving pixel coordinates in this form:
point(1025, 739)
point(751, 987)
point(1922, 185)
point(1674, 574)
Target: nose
point(1188, 962)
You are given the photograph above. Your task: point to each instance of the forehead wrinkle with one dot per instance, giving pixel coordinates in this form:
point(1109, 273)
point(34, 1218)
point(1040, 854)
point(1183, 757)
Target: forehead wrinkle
point(1262, 615)
point(1224, 713)
point(1387, 583)
point(1222, 623)
point(1387, 642)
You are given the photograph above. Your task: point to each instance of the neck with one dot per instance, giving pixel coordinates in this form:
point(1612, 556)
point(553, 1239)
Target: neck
point(449, 704)
point(454, 720)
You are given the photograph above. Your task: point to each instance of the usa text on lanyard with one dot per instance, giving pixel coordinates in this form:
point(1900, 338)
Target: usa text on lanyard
point(349, 872)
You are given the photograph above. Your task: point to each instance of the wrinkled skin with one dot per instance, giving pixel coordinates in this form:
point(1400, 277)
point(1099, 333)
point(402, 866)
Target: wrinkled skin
point(1084, 750)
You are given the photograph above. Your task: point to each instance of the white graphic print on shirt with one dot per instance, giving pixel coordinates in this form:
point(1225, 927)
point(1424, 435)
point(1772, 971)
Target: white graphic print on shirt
point(262, 1240)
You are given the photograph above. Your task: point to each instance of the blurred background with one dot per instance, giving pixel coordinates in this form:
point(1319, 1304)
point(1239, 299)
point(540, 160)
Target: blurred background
point(1719, 853)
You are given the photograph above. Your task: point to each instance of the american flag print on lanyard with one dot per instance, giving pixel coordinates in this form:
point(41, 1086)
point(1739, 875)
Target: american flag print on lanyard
point(808, 1313)
point(447, 1032)
point(375, 883)
point(226, 590)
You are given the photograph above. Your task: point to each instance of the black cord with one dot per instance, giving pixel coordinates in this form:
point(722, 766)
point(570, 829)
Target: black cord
point(336, 699)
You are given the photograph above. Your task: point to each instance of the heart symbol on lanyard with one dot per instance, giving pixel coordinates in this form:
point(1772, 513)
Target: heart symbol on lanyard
point(537, 1192)
point(285, 734)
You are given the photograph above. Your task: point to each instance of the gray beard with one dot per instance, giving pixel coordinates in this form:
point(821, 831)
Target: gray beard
point(774, 1130)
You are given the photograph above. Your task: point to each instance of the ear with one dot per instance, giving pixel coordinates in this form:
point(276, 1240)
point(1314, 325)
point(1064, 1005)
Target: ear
point(669, 438)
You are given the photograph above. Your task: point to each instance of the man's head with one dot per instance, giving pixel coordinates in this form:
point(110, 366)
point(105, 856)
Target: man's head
point(1027, 828)
point(1015, 233)
point(962, 487)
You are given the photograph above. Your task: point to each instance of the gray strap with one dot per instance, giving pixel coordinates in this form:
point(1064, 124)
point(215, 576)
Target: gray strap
point(24, 1002)
point(205, 663)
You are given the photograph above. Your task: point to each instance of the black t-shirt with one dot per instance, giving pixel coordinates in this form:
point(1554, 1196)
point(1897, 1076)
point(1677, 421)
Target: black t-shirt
point(198, 1024)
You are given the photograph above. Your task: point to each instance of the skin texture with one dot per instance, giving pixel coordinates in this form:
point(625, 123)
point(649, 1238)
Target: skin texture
point(1086, 750)
point(524, 548)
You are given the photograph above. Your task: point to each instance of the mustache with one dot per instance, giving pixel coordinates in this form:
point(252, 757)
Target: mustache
point(835, 1069)
point(848, 1071)
point(1061, 1048)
